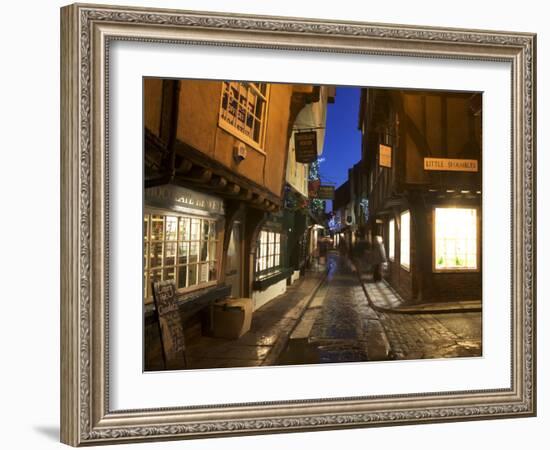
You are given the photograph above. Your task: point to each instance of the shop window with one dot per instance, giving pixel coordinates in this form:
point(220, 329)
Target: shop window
point(268, 253)
point(405, 235)
point(243, 111)
point(455, 239)
point(391, 240)
point(179, 248)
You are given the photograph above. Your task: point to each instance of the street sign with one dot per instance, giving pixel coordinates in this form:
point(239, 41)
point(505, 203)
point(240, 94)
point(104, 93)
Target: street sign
point(305, 144)
point(448, 164)
point(384, 158)
point(325, 192)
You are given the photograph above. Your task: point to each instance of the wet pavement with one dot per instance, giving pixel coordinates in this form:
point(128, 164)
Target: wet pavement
point(336, 321)
point(325, 317)
point(271, 327)
point(342, 327)
point(426, 336)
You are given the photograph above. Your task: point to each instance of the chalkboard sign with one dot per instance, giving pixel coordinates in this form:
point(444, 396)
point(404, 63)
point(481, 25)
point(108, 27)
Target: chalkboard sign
point(305, 144)
point(171, 328)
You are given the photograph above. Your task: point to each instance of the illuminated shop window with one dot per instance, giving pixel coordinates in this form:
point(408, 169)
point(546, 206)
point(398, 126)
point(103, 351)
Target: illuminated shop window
point(391, 240)
point(243, 110)
point(455, 239)
point(179, 248)
point(405, 247)
point(268, 252)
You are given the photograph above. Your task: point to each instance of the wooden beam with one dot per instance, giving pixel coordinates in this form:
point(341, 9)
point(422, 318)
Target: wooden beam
point(218, 182)
point(184, 167)
point(232, 188)
point(200, 174)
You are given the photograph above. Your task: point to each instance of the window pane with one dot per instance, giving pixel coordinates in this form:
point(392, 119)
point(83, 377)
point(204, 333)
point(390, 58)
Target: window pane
point(155, 256)
point(204, 250)
point(203, 273)
point(157, 228)
point(145, 226)
point(183, 249)
point(195, 229)
point(455, 238)
point(193, 252)
point(169, 253)
point(171, 228)
point(405, 239)
point(169, 274)
point(192, 275)
point(184, 229)
point(205, 229)
point(182, 277)
point(391, 240)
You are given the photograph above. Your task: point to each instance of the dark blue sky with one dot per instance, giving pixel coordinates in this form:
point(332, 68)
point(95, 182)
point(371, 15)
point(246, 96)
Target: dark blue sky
point(342, 148)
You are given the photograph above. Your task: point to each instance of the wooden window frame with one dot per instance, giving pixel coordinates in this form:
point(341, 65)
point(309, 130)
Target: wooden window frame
point(232, 129)
point(147, 241)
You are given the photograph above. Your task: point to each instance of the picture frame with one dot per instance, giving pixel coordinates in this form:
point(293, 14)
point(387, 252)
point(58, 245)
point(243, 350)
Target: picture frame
point(87, 31)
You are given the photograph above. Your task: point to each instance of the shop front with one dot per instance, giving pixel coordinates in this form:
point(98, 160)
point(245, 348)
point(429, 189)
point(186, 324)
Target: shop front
point(434, 248)
point(183, 233)
point(270, 270)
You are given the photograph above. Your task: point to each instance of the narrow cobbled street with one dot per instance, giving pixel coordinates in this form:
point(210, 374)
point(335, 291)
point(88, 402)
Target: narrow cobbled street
point(333, 328)
point(339, 325)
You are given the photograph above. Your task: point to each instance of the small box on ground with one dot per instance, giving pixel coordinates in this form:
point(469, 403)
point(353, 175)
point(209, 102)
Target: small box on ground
point(232, 317)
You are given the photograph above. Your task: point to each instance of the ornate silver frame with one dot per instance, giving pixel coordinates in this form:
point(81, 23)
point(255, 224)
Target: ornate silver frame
point(86, 31)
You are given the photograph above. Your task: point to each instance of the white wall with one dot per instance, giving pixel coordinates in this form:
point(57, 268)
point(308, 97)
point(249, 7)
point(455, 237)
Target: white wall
point(30, 187)
point(260, 298)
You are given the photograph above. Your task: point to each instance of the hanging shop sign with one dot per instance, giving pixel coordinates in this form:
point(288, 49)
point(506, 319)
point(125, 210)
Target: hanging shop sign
point(177, 198)
point(305, 144)
point(384, 157)
point(325, 192)
point(448, 164)
point(313, 188)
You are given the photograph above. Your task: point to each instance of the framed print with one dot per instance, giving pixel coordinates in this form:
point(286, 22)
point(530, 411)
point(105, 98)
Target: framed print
point(277, 225)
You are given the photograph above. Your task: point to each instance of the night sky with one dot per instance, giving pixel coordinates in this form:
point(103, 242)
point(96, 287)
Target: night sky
point(342, 148)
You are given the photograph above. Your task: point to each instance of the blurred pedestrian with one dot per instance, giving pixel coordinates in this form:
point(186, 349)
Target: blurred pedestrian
point(378, 258)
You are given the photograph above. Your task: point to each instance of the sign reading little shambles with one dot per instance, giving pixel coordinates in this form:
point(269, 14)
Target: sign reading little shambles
point(448, 164)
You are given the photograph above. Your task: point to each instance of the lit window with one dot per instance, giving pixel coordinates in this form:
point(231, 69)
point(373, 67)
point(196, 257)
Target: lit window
point(391, 240)
point(455, 239)
point(178, 248)
point(243, 110)
point(405, 247)
point(268, 252)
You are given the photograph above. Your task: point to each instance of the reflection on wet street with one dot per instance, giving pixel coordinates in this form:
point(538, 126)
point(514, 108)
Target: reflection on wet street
point(334, 320)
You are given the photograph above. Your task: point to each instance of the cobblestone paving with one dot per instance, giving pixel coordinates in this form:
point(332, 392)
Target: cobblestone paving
point(333, 328)
point(419, 336)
